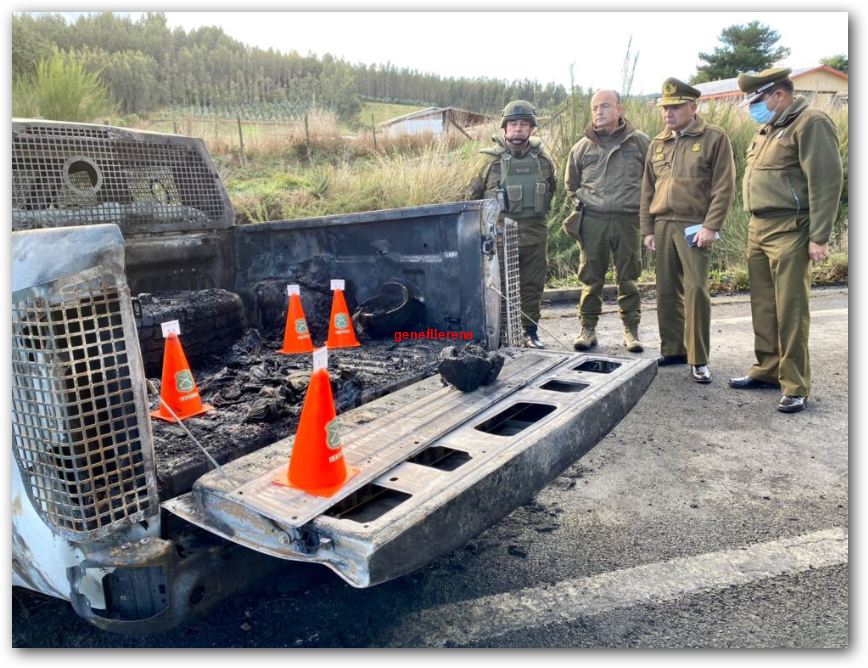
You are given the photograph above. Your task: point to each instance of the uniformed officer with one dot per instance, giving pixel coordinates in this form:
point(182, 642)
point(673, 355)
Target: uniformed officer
point(689, 180)
point(792, 186)
point(604, 179)
point(521, 175)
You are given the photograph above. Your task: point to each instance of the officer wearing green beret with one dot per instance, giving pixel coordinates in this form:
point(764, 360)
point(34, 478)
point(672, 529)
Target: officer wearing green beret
point(520, 174)
point(603, 178)
point(791, 188)
point(689, 180)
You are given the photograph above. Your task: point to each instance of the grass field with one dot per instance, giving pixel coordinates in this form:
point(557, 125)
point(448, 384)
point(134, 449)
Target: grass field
point(315, 166)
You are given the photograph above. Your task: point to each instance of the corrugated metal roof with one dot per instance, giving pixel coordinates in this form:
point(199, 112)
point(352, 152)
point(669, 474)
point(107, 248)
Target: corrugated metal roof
point(430, 111)
point(436, 111)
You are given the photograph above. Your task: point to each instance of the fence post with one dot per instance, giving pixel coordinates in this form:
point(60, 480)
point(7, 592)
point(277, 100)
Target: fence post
point(451, 119)
point(374, 130)
point(241, 139)
point(306, 138)
point(174, 125)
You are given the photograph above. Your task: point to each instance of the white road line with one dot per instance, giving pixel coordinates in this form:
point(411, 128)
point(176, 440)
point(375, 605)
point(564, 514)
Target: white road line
point(490, 616)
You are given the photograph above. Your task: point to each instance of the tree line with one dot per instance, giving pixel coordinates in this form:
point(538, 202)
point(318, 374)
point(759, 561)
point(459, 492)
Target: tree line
point(145, 65)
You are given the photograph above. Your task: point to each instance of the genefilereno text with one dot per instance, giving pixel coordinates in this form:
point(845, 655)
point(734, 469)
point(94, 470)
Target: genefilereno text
point(433, 334)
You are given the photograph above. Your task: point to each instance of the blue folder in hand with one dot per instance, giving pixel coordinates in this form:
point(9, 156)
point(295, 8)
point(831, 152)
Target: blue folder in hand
point(690, 234)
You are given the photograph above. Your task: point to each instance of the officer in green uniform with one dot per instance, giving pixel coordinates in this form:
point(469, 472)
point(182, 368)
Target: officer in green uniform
point(604, 179)
point(689, 180)
point(520, 174)
point(792, 186)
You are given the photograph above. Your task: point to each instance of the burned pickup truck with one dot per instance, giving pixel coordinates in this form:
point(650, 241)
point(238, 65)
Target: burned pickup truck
point(116, 231)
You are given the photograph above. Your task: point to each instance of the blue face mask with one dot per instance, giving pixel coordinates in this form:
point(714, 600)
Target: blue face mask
point(760, 113)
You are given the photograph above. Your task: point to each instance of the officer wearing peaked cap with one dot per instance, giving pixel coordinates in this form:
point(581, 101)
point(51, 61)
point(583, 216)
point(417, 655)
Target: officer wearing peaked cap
point(791, 188)
point(520, 174)
point(689, 180)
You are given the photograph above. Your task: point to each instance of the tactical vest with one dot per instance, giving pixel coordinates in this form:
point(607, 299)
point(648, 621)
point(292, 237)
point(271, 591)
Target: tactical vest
point(525, 188)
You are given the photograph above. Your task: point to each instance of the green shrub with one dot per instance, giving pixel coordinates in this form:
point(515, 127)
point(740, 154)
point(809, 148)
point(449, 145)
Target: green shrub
point(62, 91)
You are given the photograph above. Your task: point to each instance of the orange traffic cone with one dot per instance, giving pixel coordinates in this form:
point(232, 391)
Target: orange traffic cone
point(178, 388)
point(296, 337)
point(317, 465)
point(341, 334)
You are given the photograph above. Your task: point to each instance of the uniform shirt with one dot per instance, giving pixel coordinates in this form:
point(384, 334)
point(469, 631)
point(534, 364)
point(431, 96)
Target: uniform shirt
point(604, 171)
point(794, 166)
point(689, 177)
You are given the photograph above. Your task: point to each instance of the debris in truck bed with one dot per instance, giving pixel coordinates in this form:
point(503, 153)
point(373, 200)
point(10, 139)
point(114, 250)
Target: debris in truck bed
point(398, 307)
point(316, 300)
point(258, 394)
point(469, 367)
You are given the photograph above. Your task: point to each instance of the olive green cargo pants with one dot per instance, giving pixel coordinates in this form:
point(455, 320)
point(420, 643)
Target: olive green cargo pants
point(600, 236)
point(533, 265)
point(683, 302)
point(779, 270)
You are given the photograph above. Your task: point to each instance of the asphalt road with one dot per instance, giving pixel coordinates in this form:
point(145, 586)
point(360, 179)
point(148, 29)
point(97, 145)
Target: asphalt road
point(704, 519)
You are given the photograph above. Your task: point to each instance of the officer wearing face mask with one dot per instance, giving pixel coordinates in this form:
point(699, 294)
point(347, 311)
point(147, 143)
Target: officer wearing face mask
point(792, 186)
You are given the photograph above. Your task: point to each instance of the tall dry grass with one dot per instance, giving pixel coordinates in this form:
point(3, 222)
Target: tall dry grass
point(292, 172)
point(314, 137)
point(434, 172)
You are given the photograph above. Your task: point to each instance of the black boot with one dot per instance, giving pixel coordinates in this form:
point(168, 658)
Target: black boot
point(531, 340)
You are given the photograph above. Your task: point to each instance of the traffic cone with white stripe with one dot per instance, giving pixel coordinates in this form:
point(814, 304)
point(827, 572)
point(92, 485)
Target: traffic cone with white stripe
point(178, 388)
point(341, 332)
point(296, 336)
point(317, 465)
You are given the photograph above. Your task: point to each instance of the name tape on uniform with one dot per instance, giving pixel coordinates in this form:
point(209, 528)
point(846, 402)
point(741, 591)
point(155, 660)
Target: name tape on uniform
point(338, 284)
point(293, 290)
point(171, 327)
point(320, 358)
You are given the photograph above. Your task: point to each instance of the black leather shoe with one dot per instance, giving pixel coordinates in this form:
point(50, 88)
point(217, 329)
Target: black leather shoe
point(531, 340)
point(667, 360)
point(748, 383)
point(790, 404)
point(701, 373)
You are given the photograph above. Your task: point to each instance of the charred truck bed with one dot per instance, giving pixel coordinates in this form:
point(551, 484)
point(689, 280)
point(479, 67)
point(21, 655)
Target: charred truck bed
point(116, 232)
point(258, 395)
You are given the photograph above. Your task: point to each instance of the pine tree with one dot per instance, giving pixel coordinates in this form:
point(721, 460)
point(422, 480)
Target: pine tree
point(745, 48)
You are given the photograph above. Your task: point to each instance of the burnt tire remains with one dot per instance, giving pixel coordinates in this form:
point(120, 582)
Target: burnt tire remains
point(211, 322)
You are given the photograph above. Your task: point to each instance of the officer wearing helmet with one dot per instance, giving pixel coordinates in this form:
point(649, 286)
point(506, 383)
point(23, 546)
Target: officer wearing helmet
point(519, 173)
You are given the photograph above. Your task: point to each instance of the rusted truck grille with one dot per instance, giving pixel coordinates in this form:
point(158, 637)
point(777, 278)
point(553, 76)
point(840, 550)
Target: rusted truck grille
point(78, 438)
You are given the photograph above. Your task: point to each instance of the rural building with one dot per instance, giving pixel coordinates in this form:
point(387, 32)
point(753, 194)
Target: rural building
point(820, 83)
point(436, 120)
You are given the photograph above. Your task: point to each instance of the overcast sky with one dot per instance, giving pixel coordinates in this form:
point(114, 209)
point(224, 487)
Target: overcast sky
point(467, 44)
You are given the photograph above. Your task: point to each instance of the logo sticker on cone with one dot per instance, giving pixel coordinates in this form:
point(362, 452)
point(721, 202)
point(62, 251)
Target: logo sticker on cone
point(317, 465)
point(178, 388)
point(296, 337)
point(341, 333)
